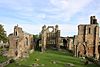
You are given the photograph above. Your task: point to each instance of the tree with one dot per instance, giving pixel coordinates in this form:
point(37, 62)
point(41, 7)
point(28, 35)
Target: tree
point(36, 36)
point(3, 36)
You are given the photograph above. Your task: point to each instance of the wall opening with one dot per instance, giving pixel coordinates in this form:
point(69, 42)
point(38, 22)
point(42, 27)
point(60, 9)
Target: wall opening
point(89, 30)
point(26, 41)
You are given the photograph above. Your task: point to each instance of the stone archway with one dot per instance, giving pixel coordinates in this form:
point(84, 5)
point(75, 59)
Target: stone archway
point(81, 49)
point(50, 29)
point(65, 43)
point(51, 38)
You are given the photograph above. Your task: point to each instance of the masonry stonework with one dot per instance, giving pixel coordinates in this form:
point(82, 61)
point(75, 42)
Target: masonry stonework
point(87, 41)
point(20, 43)
point(50, 37)
point(69, 44)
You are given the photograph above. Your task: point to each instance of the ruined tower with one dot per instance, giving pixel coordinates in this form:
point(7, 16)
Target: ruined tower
point(20, 43)
point(87, 40)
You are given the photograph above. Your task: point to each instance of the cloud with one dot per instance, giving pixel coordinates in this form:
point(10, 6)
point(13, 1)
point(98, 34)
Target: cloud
point(62, 4)
point(67, 8)
point(63, 9)
point(32, 15)
point(19, 8)
point(68, 29)
point(16, 4)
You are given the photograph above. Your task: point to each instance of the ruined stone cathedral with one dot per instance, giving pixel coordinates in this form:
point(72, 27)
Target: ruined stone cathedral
point(20, 43)
point(85, 44)
point(50, 37)
point(87, 41)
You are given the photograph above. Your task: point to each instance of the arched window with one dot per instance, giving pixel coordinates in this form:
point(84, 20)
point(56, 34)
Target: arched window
point(16, 33)
point(16, 53)
point(89, 30)
point(26, 41)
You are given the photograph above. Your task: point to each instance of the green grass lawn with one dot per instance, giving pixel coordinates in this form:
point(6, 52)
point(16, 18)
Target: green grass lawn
point(2, 58)
point(61, 57)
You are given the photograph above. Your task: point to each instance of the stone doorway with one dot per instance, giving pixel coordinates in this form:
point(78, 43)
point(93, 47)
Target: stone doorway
point(65, 43)
point(81, 50)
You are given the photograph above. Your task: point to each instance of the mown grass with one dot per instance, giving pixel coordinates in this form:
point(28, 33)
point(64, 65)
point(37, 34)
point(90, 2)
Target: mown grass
point(46, 58)
point(2, 58)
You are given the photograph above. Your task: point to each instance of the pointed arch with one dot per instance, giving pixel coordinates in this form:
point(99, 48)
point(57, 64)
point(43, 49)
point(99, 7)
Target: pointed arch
point(81, 49)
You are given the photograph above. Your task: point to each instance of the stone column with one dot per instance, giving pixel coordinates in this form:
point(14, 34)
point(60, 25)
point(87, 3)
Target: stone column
point(96, 42)
point(75, 46)
point(75, 51)
point(44, 36)
point(58, 40)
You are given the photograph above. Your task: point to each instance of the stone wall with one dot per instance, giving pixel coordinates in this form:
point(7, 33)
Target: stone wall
point(87, 41)
point(70, 43)
point(50, 36)
point(20, 43)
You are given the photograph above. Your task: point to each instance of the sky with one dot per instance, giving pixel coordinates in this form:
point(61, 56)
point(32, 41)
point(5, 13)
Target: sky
point(31, 15)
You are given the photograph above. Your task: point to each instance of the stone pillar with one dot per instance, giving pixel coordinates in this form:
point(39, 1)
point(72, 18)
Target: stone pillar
point(57, 33)
point(77, 50)
point(75, 46)
point(58, 40)
point(96, 42)
point(87, 50)
point(44, 36)
point(19, 49)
